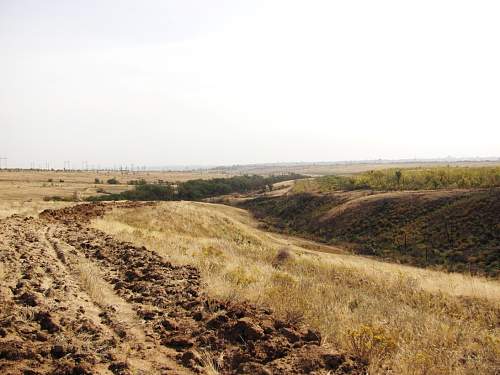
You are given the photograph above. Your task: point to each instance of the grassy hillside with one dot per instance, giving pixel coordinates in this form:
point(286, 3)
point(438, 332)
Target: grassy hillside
point(407, 179)
point(400, 319)
point(454, 230)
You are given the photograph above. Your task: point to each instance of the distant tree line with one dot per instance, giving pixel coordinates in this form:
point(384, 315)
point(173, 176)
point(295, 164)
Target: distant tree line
point(197, 189)
point(415, 179)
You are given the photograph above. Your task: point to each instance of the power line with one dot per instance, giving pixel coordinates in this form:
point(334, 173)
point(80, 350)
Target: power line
point(5, 159)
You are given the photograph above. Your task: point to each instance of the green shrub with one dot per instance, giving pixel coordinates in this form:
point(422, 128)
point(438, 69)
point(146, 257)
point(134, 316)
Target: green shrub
point(370, 342)
point(57, 198)
point(415, 179)
point(199, 189)
point(147, 192)
point(194, 189)
point(137, 182)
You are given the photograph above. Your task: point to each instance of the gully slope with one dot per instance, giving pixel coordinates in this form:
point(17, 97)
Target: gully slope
point(453, 230)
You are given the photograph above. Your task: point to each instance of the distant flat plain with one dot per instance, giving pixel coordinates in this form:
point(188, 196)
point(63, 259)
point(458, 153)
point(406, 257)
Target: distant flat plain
point(343, 168)
point(34, 185)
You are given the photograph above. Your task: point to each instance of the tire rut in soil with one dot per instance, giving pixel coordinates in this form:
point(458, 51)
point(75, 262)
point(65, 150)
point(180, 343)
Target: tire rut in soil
point(143, 354)
point(43, 327)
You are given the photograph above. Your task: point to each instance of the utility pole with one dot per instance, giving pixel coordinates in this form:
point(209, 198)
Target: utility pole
point(5, 163)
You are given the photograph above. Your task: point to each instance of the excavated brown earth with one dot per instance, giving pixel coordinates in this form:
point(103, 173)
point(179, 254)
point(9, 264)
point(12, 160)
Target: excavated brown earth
point(146, 316)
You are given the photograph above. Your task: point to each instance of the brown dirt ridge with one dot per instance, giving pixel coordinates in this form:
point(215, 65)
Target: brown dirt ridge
point(75, 300)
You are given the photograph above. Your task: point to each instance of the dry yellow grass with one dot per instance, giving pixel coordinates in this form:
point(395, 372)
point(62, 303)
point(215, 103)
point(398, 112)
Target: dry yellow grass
point(210, 365)
point(8, 207)
point(32, 191)
point(2, 272)
point(92, 284)
point(26, 185)
point(87, 177)
point(403, 320)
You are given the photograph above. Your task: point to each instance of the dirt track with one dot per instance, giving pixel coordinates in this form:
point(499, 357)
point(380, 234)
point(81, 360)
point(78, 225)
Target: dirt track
point(77, 301)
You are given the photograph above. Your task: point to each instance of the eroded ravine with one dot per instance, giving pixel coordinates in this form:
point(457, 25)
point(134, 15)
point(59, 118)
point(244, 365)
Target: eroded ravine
point(151, 316)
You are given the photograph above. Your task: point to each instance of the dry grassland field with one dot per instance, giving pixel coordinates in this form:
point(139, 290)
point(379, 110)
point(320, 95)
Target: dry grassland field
point(29, 185)
point(347, 168)
point(186, 287)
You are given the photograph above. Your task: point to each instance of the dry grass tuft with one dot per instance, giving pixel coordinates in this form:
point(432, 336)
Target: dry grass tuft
point(8, 208)
point(88, 275)
point(3, 272)
point(402, 320)
point(371, 343)
point(283, 256)
point(209, 363)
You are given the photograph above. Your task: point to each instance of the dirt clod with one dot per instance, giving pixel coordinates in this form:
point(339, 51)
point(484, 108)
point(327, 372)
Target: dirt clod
point(247, 330)
point(46, 322)
point(119, 368)
point(191, 359)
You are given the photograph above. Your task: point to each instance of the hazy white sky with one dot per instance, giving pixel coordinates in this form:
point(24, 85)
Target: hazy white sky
point(220, 82)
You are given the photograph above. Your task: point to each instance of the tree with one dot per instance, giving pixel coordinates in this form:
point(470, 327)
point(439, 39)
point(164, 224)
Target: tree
point(113, 181)
point(398, 176)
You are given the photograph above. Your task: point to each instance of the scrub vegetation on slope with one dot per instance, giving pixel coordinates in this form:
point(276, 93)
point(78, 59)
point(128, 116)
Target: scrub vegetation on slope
point(457, 230)
point(407, 179)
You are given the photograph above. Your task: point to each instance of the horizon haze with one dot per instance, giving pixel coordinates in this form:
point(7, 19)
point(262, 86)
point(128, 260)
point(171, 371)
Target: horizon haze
point(235, 82)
